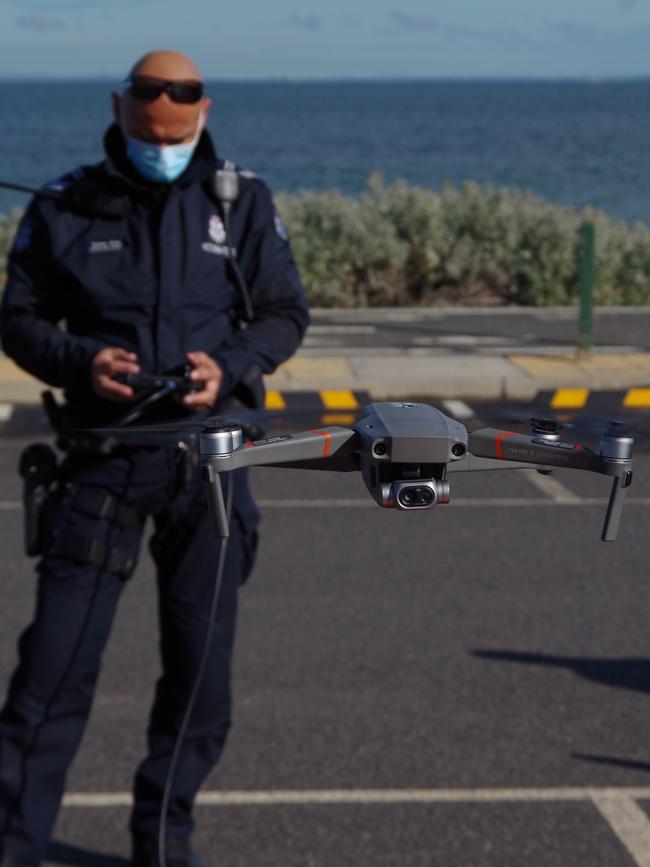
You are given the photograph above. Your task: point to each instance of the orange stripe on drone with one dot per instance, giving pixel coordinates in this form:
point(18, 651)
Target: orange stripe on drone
point(500, 440)
point(328, 441)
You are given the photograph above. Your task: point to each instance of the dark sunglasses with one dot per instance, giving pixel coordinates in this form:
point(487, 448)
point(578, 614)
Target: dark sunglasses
point(147, 88)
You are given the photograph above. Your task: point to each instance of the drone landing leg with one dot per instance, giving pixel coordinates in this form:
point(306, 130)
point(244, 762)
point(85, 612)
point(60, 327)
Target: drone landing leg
point(216, 505)
point(615, 507)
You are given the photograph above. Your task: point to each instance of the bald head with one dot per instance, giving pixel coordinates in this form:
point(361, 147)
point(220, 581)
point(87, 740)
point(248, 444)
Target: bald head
point(161, 121)
point(169, 65)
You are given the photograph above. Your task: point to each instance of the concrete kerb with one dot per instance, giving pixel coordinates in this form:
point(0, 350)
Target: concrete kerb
point(466, 377)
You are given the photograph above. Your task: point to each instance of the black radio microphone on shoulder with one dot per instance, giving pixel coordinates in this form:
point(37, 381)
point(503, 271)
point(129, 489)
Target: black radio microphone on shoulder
point(225, 184)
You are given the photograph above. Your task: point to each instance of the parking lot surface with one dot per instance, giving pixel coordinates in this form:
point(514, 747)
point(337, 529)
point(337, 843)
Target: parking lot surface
point(467, 687)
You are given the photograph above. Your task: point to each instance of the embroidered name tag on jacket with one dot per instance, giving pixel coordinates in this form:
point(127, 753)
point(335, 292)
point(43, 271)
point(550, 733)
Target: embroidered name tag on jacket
point(105, 246)
point(217, 249)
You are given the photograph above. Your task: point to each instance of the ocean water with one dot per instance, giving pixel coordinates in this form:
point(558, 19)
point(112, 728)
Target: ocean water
point(575, 143)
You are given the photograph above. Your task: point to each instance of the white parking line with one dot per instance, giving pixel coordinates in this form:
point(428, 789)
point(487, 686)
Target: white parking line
point(458, 409)
point(341, 329)
point(630, 824)
point(611, 797)
point(551, 487)
point(6, 411)
point(617, 805)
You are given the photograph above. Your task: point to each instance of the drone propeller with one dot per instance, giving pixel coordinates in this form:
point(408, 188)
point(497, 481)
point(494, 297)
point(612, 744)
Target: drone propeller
point(580, 422)
point(254, 422)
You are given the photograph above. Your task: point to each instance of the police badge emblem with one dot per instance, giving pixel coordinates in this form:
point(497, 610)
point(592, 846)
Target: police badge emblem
point(217, 230)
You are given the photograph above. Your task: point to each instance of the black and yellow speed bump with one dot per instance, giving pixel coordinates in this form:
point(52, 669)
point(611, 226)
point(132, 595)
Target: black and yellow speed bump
point(594, 399)
point(332, 406)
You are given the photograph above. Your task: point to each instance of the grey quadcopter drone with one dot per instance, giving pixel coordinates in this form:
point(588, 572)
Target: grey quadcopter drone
point(405, 453)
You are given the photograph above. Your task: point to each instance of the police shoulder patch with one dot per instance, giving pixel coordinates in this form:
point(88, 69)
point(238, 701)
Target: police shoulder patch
point(280, 226)
point(65, 181)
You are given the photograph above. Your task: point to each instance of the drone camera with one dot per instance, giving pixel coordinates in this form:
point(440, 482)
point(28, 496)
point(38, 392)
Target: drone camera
point(411, 496)
point(414, 496)
point(458, 450)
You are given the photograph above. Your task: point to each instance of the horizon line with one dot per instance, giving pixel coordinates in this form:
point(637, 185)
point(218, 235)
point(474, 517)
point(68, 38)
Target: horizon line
point(493, 79)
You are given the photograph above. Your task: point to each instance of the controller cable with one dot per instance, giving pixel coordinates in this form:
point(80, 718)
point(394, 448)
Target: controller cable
point(182, 731)
point(139, 408)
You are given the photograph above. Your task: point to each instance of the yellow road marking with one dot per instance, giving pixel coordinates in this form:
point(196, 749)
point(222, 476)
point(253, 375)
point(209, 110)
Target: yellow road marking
point(339, 400)
point(570, 398)
point(274, 400)
point(637, 397)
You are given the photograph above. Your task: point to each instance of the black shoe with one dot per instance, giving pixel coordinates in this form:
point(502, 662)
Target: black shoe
point(178, 853)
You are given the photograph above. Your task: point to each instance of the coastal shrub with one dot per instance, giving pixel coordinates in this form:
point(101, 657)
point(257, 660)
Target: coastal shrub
point(398, 244)
point(475, 245)
point(348, 255)
point(8, 226)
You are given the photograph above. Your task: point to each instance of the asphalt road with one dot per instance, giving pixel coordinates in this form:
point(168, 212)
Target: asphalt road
point(491, 331)
point(459, 688)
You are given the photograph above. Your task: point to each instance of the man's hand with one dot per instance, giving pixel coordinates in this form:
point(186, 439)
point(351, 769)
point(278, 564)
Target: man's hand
point(105, 365)
point(207, 371)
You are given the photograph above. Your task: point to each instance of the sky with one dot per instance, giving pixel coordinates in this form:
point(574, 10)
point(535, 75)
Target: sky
point(303, 39)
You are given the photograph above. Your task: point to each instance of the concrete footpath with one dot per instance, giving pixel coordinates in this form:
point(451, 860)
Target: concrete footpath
point(466, 377)
point(459, 366)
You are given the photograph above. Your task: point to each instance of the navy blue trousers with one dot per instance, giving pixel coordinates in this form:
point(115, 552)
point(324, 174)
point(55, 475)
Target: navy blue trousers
point(51, 691)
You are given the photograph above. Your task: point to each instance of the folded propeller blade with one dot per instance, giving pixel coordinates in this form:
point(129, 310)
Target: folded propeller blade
point(256, 423)
point(147, 434)
point(580, 422)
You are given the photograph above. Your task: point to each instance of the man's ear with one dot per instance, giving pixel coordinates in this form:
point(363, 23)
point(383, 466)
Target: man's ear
point(117, 108)
point(205, 111)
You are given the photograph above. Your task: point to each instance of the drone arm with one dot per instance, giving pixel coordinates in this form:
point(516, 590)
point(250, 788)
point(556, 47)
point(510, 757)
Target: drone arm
point(508, 446)
point(314, 447)
point(489, 447)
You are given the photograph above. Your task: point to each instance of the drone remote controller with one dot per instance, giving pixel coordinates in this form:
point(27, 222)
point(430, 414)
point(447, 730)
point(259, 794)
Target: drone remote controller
point(150, 382)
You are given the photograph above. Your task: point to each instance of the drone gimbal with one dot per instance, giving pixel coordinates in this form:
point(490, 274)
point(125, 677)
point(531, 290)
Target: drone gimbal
point(406, 452)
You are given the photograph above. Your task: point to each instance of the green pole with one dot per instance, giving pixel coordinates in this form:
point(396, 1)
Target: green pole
point(587, 279)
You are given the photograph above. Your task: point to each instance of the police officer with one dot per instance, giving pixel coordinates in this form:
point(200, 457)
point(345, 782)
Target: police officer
point(142, 288)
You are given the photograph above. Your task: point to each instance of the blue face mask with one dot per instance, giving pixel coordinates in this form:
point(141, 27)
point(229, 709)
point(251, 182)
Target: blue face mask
point(160, 163)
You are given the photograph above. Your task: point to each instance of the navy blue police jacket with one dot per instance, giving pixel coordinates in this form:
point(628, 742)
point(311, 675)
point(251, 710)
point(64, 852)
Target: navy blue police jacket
point(154, 281)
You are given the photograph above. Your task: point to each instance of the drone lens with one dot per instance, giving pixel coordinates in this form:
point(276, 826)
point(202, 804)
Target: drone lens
point(413, 497)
